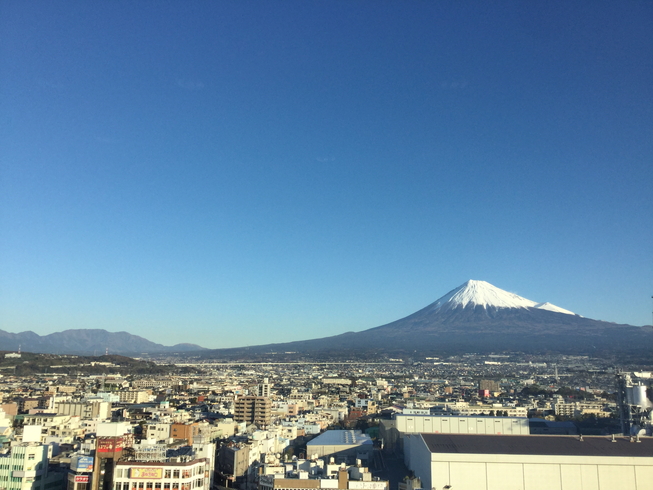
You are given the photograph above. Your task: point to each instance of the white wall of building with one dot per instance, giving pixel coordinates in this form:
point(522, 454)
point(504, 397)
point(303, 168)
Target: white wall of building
point(526, 472)
point(461, 425)
point(418, 458)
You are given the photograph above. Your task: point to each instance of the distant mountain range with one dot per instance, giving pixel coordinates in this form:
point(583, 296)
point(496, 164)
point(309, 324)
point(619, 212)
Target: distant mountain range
point(86, 341)
point(475, 317)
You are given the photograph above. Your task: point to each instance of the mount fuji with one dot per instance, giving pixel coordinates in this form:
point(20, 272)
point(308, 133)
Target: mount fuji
point(481, 293)
point(476, 317)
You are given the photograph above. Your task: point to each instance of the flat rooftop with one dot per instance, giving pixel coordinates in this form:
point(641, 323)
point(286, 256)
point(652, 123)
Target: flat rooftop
point(341, 438)
point(536, 444)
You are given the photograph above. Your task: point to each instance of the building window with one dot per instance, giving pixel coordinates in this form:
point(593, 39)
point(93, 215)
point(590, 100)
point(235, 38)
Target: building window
point(168, 474)
point(175, 474)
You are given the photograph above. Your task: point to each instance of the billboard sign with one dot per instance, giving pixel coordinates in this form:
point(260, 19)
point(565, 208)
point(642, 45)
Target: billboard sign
point(109, 444)
point(81, 479)
point(146, 473)
point(84, 463)
point(370, 485)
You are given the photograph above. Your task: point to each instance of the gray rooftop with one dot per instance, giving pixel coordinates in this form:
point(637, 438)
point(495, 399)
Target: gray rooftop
point(544, 445)
point(341, 438)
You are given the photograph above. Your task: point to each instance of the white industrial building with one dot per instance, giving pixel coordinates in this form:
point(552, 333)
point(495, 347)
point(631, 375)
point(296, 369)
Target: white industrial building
point(635, 402)
point(411, 424)
point(395, 430)
point(515, 462)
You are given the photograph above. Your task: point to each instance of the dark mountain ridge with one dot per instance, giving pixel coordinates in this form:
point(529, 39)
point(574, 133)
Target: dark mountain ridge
point(87, 341)
point(475, 317)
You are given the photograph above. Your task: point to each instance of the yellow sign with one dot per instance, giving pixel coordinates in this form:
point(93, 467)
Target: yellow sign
point(147, 473)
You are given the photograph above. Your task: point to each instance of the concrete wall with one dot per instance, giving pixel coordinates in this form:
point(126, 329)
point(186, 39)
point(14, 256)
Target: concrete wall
point(412, 424)
point(417, 457)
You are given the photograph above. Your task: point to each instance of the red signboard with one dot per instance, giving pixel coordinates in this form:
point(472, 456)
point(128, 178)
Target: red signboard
point(81, 479)
point(109, 444)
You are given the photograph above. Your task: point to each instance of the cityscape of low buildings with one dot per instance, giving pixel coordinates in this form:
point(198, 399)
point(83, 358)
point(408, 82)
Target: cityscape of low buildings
point(336, 426)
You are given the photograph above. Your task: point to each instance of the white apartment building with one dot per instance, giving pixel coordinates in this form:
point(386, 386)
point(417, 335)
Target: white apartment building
point(26, 468)
point(576, 409)
point(55, 428)
point(263, 389)
point(134, 396)
point(85, 410)
point(151, 383)
point(366, 404)
point(157, 431)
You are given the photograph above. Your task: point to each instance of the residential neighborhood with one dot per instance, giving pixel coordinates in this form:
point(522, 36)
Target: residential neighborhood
point(257, 426)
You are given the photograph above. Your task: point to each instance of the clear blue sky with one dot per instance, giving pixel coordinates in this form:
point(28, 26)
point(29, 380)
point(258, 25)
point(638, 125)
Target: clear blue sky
point(236, 173)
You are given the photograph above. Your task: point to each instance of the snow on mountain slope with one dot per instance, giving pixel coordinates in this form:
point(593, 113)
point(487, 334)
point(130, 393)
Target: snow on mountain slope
point(481, 293)
point(550, 307)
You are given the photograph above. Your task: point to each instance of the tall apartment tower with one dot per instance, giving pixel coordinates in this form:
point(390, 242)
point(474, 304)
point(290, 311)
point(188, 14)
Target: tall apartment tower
point(264, 388)
point(253, 410)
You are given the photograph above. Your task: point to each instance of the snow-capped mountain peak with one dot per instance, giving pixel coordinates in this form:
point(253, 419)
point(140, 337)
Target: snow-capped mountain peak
point(481, 293)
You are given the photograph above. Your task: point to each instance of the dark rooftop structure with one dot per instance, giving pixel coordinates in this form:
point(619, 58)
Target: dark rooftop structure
point(540, 445)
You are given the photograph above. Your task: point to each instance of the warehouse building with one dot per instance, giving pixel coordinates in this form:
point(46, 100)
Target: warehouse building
point(412, 424)
point(507, 462)
point(393, 431)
